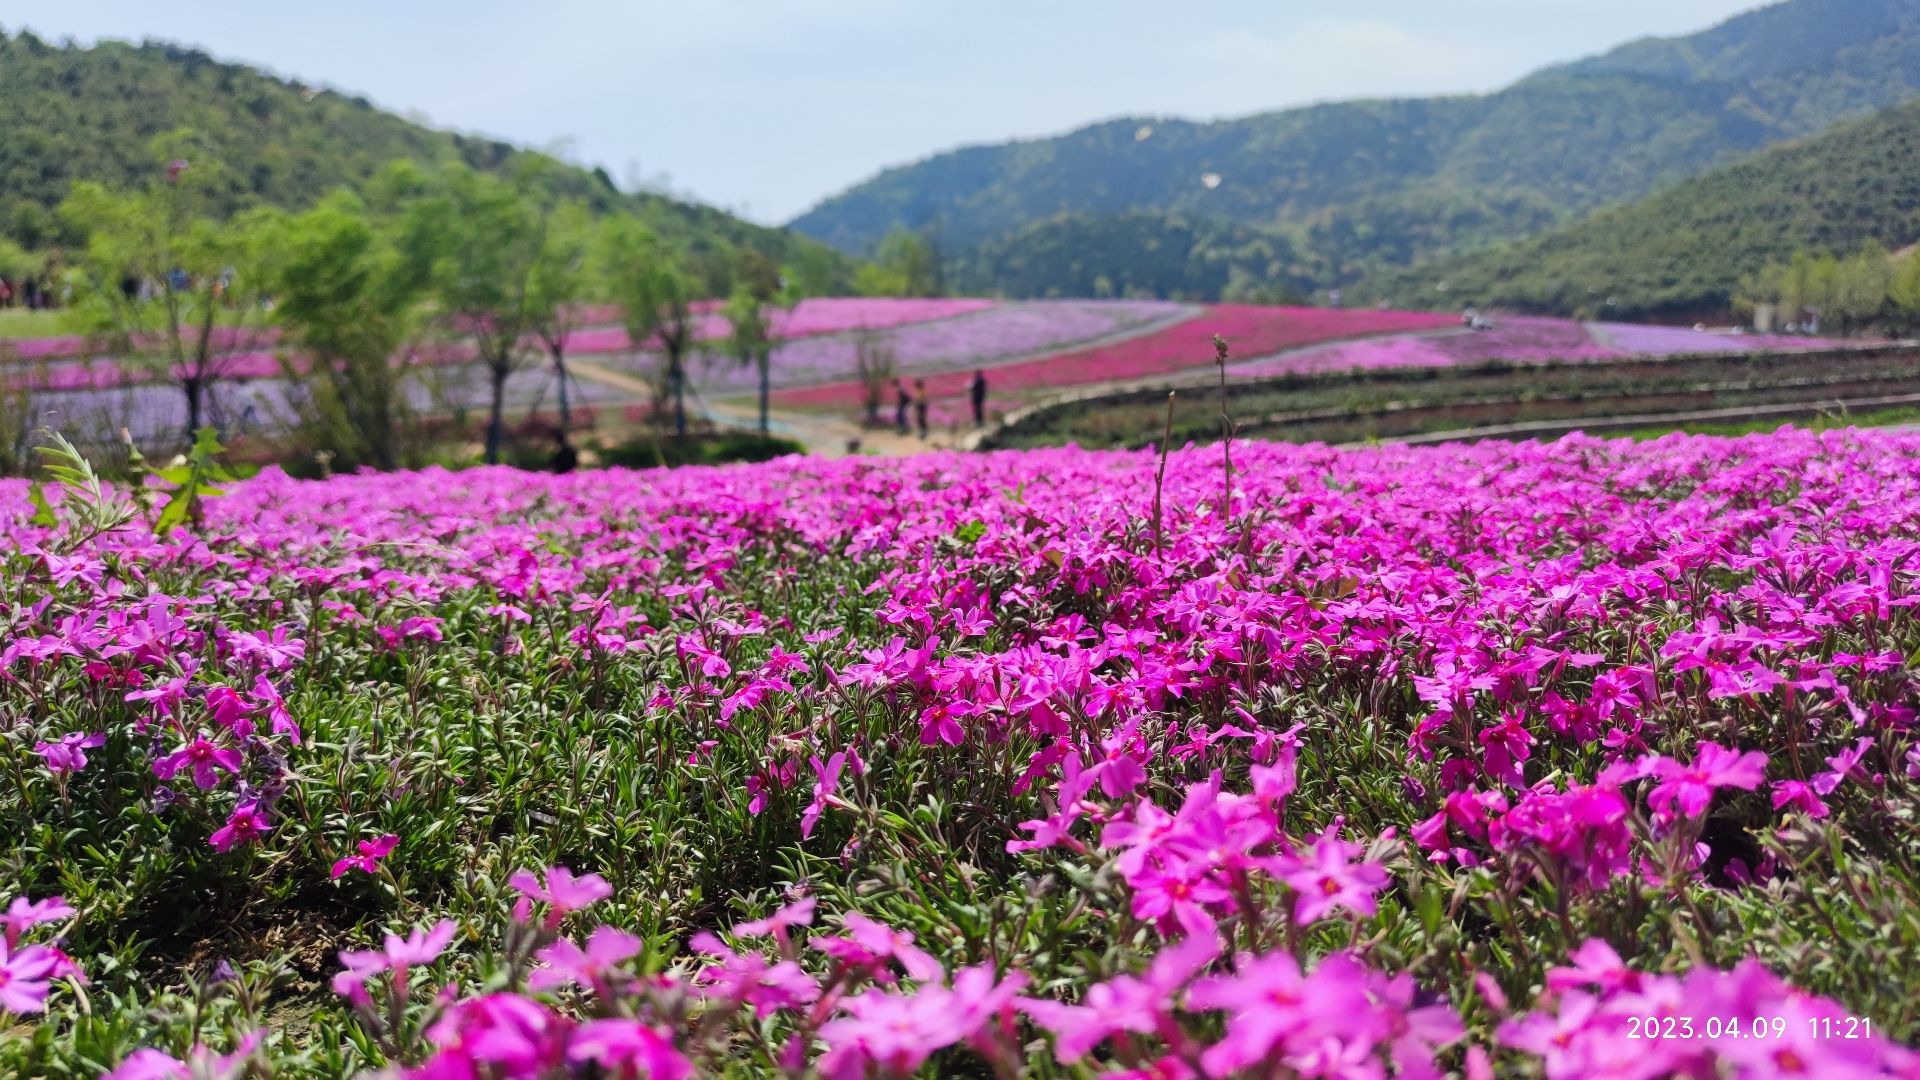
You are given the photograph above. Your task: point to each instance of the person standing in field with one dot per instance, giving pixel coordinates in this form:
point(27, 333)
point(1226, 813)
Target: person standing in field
point(904, 401)
point(978, 391)
point(920, 406)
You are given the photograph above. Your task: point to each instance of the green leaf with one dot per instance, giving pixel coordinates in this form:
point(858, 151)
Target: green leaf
point(42, 510)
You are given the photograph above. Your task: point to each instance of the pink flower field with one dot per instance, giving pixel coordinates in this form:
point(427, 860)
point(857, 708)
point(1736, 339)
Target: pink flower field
point(1524, 339)
point(1249, 330)
point(1585, 761)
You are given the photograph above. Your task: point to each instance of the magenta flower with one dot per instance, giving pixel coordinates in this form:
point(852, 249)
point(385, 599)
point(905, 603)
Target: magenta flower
point(25, 977)
point(203, 759)
point(823, 788)
point(274, 650)
point(368, 860)
point(1126, 1003)
point(868, 945)
point(23, 915)
point(798, 913)
point(399, 955)
point(68, 753)
point(502, 1035)
point(1328, 879)
point(595, 966)
point(562, 893)
point(1272, 1010)
point(201, 1064)
point(1691, 787)
point(628, 1048)
point(244, 826)
point(747, 978)
point(897, 1033)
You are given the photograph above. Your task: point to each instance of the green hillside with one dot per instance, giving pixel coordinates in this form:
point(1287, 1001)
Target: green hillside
point(1685, 250)
point(71, 113)
point(1565, 141)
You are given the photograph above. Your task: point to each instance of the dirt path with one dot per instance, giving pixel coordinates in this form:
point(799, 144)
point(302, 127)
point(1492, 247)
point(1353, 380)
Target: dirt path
point(823, 436)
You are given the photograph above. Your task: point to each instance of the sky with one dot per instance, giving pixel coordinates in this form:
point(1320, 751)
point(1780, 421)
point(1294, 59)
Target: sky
point(764, 107)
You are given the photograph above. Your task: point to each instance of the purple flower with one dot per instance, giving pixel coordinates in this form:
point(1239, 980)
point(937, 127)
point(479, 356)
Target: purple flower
point(68, 753)
point(1691, 787)
point(203, 759)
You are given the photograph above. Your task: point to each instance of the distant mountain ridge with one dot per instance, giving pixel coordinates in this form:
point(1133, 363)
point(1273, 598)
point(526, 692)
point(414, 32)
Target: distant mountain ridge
point(1570, 138)
point(1684, 251)
point(88, 113)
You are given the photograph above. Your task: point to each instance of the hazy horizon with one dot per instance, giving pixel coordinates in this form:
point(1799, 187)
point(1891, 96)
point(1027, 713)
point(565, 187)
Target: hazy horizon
point(813, 98)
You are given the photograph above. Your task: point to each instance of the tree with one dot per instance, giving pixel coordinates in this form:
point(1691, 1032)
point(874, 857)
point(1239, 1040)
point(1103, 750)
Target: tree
point(873, 363)
point(905, 264)
point(478, 239)
point(655, 296)
point(161, 283)
point(1860, 285)
point(348, 305)
point(558, 286)
point(1904, 290)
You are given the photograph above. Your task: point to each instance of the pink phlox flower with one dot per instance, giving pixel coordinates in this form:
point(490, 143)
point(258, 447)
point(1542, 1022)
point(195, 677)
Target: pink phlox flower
point(823, 791)
point(562, 892)
point(1842, 766)
point(1690, 787)
point(869, 944)
point(275, 650)
point(798, 913)
point(1141, 1004)
point(1275, 1012)
point(399, 955)
point(26, 975)
point(368, 860)
point(265, 695)
point(1595, 965)
point(897, 1032)
point(747, 978)
point(202, 1063)
point(246, 825)
point(203, 758)
point(628, 1050)
point(229, 711)
point(23, 915)
point(597, 966)
point(1799, 795)
point(68, 753)
point(496, 1035)
point(509, 612)
point(1326, 877)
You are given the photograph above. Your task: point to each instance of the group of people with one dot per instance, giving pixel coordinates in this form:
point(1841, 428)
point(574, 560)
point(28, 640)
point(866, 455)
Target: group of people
point(914, 402)
point(29, 294)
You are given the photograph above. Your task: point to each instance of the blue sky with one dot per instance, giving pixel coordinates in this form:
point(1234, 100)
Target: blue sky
point(767, 106)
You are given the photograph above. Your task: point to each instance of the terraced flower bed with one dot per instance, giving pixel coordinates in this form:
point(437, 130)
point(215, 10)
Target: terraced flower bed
point(1524, 339)
point(1249, 330)
point(1595, 759)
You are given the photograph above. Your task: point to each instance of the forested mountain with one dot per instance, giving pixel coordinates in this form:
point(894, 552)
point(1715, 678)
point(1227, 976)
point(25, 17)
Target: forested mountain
point(90, 113)
point(1687, 249)
point(1363, 186)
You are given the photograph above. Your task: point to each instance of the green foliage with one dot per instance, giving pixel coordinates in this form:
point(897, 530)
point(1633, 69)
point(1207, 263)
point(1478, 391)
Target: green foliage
point(1688, 249)
point(648, 452)
point(904, 264)
point(192, 482)
point(71, 113)
point(161, 281)
point(1138, 255)
point(1382, 181)
point(493, 268)
point(347, 300)
point(645, 278)
point(89, 506)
